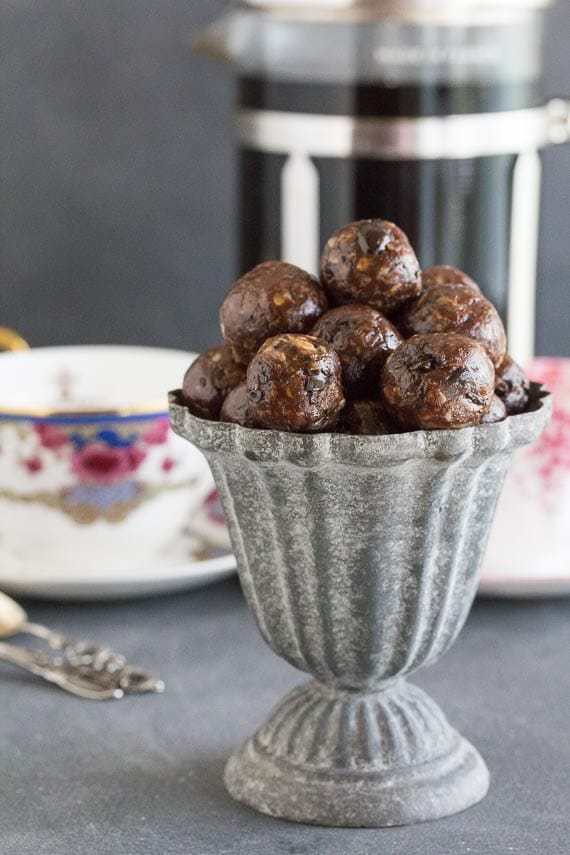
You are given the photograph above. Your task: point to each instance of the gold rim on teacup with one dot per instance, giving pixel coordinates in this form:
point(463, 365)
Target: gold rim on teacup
point(154, 409)
point(11, 341)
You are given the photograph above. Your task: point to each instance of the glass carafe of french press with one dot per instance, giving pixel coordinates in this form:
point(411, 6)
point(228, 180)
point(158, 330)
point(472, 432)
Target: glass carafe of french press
point(429, 113)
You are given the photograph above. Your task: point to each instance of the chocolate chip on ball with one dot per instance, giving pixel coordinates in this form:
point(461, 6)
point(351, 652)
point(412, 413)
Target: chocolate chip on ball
point(459, 309)
point(370, 262)
point(496, 413)
point(274, 297)
point(294, 383)
point(438, 381)
point(445, 275)
point(366, 418)
point(235, 408)
point(363, 339)
point(209, 380)
point(512, 385)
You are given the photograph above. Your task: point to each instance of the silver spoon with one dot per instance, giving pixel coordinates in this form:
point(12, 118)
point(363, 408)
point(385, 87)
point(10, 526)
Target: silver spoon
point(85, 670)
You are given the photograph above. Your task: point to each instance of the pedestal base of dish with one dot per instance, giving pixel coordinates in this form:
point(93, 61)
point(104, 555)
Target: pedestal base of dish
point(351, 759)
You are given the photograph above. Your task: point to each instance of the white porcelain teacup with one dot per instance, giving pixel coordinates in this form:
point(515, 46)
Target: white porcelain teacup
point(529, 547)
point(90, 473)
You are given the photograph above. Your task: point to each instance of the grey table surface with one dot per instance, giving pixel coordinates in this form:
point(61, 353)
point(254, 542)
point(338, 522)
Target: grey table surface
point(144, 775)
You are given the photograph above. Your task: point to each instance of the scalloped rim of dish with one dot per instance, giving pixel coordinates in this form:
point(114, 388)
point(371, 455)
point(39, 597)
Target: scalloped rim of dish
point(270, 446)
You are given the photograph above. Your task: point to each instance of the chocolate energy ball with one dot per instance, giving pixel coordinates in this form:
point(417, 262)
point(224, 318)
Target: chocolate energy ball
point(438, 381)
point(294, 383)
point(446, 275)
point(512, 385)
point(459, 309)
point(497, 412)
point(235, 408)
point(370, 262)
point(363, 340)
point(273, 298)
point(366, 418)
point(209, 380)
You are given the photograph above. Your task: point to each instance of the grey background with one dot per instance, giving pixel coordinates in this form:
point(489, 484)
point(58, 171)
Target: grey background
point(143, 776)
point(116, 225)
point(117, 176)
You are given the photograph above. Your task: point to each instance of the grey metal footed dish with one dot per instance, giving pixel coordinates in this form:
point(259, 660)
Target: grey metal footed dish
point(359, 556)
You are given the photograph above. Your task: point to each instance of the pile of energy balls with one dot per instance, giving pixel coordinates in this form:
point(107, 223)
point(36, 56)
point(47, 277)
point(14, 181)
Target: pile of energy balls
point(377, 346)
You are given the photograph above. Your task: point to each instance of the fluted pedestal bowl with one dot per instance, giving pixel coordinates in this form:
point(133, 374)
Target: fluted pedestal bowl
point(359, 557)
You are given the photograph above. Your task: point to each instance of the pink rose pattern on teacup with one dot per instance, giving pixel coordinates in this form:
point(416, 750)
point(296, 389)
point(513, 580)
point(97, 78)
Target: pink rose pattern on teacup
point(50, 437)
point(99, 466)
point(550, 456)
point(530, 539)
point(213, 507)
point(102, 465)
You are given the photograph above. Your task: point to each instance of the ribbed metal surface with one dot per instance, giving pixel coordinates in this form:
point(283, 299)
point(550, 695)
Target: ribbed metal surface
point(359, 557)
point(352, 732)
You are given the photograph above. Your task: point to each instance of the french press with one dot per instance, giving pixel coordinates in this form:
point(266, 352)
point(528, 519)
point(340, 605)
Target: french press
point(429, 113)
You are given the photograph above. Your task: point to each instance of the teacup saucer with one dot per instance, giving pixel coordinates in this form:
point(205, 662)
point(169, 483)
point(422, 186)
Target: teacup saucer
point(520, 587)
point(200, 557)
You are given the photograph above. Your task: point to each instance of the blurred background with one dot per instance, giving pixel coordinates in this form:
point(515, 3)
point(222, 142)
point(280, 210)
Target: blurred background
point(117, 176)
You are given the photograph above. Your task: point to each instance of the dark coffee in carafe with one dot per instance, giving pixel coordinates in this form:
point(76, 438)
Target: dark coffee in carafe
point(429, 114)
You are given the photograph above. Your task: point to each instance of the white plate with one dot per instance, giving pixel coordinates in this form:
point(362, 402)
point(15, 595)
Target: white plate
point(165, 580)
point(522, 588)
point(200, 557)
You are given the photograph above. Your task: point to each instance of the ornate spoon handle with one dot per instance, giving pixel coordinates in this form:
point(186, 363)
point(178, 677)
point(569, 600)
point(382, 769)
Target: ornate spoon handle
point(89, 672)
point(85, 670)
